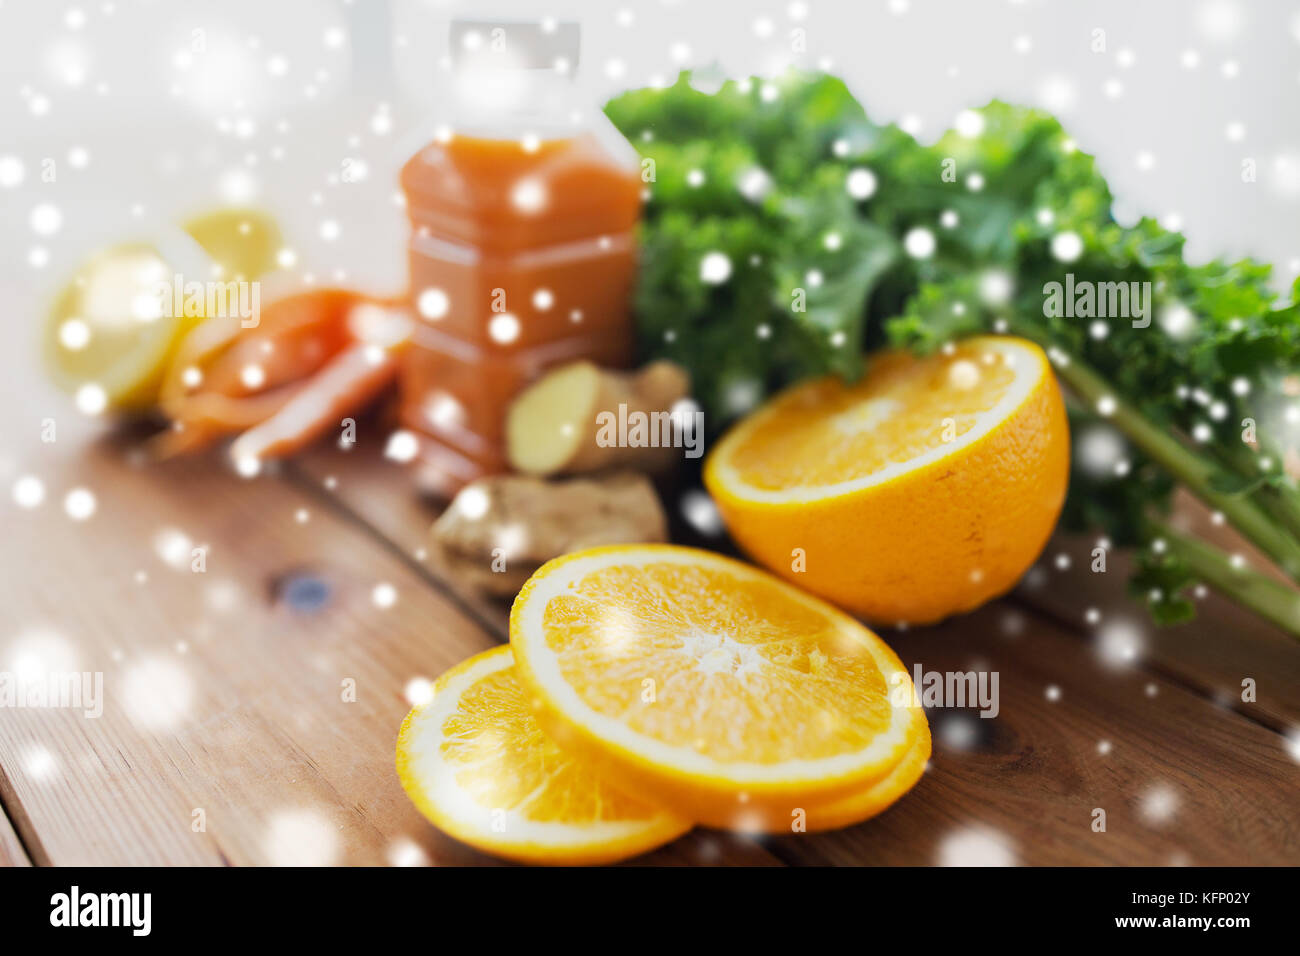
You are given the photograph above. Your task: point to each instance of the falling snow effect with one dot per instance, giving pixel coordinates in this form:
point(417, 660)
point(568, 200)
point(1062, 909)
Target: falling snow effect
point(405, 852)
point(28, 492)
point(1158, 805)
point(975, 846)
point(384, 595)
point(504, 328)
point(715, 268)
point(419, 691)
point(173, 547)
point(1119, 643)
point(79, 504)
point(157, 694)
point(402, 446)
point(246, 95)
point(301, 837)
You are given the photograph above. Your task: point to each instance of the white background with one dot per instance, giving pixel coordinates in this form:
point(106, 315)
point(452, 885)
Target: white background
point(285, 93)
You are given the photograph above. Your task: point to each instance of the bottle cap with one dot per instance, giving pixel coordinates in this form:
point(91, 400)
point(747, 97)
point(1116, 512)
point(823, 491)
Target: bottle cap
point(504, 67)
point(515, 44)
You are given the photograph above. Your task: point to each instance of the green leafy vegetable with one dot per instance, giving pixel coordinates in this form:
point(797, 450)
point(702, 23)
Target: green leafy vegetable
point(842, 235)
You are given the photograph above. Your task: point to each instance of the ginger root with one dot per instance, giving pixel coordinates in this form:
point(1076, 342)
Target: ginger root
point(501, 529)
point(580, 418)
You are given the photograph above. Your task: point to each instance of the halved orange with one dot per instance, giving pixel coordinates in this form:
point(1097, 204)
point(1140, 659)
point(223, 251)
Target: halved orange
point(716, 689)
point(924, 490)
point(475, 762)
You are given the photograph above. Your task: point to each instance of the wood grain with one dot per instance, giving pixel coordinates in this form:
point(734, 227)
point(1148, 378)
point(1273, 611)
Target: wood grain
point(285, 770)
point(11, 848)
point(1181, 781)
point(265, 747)
point(378, 495)
point(281, 767)
point(1211, 655)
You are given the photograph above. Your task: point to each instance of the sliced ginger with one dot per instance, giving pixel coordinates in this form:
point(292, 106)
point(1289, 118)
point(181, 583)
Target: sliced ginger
point(552, 428)
point(499, 530)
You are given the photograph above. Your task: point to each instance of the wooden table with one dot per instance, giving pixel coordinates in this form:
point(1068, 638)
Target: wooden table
point(227, 736)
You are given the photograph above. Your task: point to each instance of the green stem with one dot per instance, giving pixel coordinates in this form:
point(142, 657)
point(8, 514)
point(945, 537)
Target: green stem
point(1284, 503)
point(1185, 465)
point(1252, 590)
point(1280, 501)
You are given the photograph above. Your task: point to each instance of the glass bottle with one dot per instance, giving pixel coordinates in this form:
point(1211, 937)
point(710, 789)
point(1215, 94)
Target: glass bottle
point(522, 250)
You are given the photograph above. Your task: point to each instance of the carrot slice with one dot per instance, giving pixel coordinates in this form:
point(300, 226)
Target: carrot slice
point(204, 341)
point(295, 337)
point(348, 383)
point(344, 386)
point(313, 358)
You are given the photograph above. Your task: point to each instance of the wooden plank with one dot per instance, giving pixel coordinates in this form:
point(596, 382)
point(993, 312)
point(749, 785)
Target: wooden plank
point(380, 495)
point(268, 757)
point(1181, 780)
point(265, 745)
point(220, 696)
point(11, 848)
point(1212, 654)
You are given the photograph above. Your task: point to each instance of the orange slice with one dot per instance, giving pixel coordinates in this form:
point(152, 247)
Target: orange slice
point(722, 692)
point(924, 490)
point(475, 762)
point(875, 799)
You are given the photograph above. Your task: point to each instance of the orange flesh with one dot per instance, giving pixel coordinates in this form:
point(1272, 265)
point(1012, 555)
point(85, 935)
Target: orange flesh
point(720, 648)
point(831, 432)
point(344, 386)
point(506, 761)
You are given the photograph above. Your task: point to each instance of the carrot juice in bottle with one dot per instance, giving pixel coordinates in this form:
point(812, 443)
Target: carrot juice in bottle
point(522, 248)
